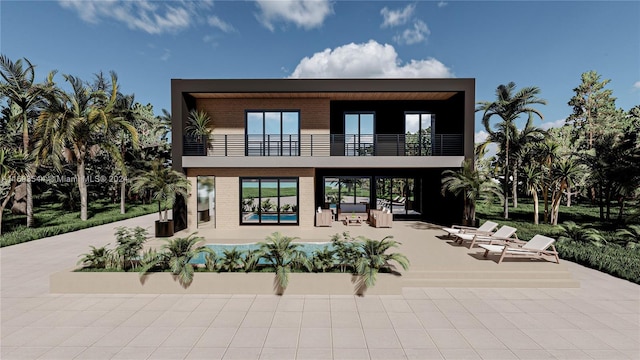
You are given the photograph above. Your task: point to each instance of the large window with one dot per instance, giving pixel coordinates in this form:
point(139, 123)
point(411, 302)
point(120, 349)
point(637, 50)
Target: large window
point(273, 133)
point(358, 134)
point(418, 127)
point(269, 201)
point(206, 199)
point(346, 190)
point(399, 194)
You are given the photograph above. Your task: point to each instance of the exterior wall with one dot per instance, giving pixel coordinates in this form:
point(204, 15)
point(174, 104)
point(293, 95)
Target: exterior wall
point(228, 115)
point(228, 194)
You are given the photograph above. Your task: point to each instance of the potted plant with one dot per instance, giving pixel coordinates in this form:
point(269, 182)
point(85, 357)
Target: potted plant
point(198, 129)
point(163, 184)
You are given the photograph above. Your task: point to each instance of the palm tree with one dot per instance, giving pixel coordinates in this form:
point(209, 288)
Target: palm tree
point(565, 172)
point(125, 108)
point(19, 87)
point(323, 260)
point(14, 165)
point(374, 259)
point(283, 255)
point(164, 184)
point(74, 126)
point(471, 185)
point(508, 106)
point(533, 178)
point(176, 254)
point(547, 154)
point(231, 260)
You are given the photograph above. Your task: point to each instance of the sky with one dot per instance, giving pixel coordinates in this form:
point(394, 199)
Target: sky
point(148, 43)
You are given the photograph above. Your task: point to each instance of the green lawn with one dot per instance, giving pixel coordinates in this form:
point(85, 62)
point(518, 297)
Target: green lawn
point(51, 219)
point(619, 261)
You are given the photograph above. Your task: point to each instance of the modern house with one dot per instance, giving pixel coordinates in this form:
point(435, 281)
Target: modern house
point(282, 148)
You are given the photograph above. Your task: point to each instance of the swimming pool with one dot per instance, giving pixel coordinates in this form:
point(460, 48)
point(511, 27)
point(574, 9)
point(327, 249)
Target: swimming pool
point(272, 217)
point(307, 248)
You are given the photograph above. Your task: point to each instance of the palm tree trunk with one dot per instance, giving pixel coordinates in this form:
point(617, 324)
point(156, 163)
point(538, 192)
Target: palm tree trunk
point(5, 202)
point(123, 193)
point(82, 187)
point(535, 208)
point(25, 144)
point(506, 180)
point(514, 187)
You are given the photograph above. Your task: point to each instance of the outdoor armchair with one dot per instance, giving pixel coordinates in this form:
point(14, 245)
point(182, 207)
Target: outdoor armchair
point(537, 247)
point(486, 228)
point(504, 234)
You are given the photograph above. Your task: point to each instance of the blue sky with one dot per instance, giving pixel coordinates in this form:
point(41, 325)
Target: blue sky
point(147, 43)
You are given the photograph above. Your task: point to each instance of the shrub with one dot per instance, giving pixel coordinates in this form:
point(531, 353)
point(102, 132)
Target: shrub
point(614, 260)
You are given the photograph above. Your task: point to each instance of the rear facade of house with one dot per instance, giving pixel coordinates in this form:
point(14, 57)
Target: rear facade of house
point(279, 149)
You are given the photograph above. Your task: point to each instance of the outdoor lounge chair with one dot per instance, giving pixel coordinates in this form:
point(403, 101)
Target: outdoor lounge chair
point(537, 247)
point(504, 234)
point(486, 228)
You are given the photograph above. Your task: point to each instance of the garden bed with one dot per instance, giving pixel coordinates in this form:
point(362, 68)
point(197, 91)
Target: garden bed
point(72, 282)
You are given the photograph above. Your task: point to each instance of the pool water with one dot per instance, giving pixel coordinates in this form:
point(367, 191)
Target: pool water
point(307, 248)
point(273, 217)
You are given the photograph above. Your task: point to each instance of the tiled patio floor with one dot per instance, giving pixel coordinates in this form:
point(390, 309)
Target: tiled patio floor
point(599, 320)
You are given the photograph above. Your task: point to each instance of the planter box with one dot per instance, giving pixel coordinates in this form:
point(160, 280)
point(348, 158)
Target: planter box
point(164, 228)
point(70, 282)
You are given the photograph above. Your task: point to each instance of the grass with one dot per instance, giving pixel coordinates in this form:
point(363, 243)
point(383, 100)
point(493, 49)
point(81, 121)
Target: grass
point(612, 259)
point(52, 219)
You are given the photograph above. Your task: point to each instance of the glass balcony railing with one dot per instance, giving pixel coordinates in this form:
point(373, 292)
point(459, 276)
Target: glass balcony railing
point(324, 145)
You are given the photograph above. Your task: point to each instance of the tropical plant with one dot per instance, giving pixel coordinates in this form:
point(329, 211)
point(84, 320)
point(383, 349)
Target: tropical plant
point(76, 125)
point(164, 184)
point(583, 233)
point(14, 165)
point(283, 255)
point(129, 243)
point(198, 123)
point(533, 179)
point(508, 106)
point(250, 260)
point(564, 173)
point(19, 88)
point(97, 258)
point(374, 259)
point(176, 255)
point(346, 251)
point(471, 185)
point(323, 260)
point(629, 237)
point(231, 260)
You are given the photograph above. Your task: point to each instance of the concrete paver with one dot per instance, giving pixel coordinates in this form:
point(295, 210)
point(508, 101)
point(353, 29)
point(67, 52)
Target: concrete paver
point(599, 320)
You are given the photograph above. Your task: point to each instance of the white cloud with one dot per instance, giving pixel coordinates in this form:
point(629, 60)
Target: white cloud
point(442, 4)
point(481, 136)
point(553, 124)
point(636, 85)
point(415, 35)
point(396, 17)
point(166, 55)
point(367, 60)
point(220, 24)
point(307, 14)
point(152, 17)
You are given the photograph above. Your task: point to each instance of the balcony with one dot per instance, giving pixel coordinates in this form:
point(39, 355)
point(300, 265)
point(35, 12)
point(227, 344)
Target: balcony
point(227, 145)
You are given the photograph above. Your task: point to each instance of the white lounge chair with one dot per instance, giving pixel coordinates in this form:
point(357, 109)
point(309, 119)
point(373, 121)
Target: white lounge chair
point(505, 233)
point(537, 247)
point(486, 228)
